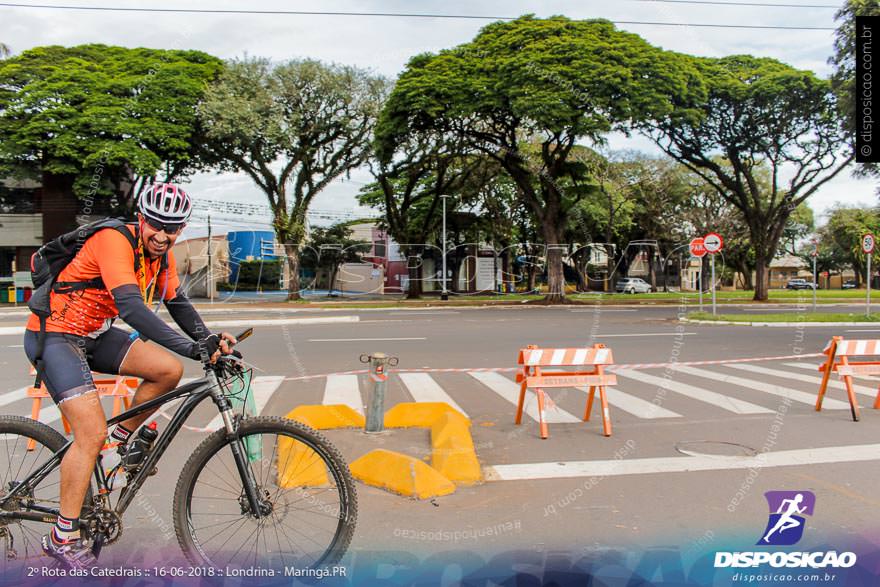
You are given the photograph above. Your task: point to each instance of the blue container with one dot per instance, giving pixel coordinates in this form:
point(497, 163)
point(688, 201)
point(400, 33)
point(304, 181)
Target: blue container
point(19, 295)
point(257, 244)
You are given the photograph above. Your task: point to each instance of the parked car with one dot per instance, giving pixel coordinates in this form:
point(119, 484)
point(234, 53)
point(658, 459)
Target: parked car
point(849, 284)
point(632, 285)
point(800, 284)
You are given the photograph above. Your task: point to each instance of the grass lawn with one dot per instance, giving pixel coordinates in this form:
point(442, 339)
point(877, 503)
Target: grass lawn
point(788, 317)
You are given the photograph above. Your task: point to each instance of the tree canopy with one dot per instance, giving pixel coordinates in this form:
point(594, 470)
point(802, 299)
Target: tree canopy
point(293, 128)
point(541, 84)
point(97, 110)
point(759, 114)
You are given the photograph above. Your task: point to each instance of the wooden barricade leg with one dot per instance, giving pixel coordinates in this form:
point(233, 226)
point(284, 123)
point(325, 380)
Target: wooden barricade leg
point(606, 415)
point(853, 402)
point(522, 401)
point(35, 415)
point(828, 367)
point(589, 409)
point(877, 401)
point(543, 423)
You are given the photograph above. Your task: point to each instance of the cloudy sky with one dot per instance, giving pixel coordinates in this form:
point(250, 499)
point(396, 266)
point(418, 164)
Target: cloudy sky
point(384, 44)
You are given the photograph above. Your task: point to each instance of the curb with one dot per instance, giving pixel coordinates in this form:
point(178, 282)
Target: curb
point(453, 457)
point(400, 474)
point(775, 324)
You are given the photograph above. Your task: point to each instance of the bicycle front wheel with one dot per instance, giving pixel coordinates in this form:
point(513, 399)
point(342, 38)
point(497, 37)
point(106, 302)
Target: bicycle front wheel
point(307, 500)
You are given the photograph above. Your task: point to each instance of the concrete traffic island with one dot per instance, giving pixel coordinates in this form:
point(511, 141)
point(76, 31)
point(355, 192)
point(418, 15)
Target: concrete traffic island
point(453, 457)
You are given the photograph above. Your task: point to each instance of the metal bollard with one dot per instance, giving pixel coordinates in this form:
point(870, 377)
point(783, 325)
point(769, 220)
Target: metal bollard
point(379, 363)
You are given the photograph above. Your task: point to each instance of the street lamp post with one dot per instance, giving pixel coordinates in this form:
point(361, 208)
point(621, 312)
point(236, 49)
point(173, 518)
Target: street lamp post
point(444, 294)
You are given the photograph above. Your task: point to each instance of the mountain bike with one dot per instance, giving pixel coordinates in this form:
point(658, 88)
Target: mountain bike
point(258, 492)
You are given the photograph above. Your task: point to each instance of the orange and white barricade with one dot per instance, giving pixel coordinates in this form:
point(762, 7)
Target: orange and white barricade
point(119, 387)
point(586, 368)
point(839, 352)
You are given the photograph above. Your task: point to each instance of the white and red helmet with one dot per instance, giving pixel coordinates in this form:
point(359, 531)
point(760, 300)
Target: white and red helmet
point(165, 203)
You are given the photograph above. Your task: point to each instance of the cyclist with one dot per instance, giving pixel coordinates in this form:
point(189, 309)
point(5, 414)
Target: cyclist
point(80, 338)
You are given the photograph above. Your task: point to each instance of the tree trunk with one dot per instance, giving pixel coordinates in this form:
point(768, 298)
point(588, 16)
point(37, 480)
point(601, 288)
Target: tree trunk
point(59, 205)
point(414, 291)
point(652, 270)
point(746, 273)
point(555, 273)
point(762, 278)
point(291, 251)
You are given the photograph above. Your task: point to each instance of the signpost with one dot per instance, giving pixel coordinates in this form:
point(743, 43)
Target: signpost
point(868, 248)
point(698, 250)
point(713, 243)
point(814, 254)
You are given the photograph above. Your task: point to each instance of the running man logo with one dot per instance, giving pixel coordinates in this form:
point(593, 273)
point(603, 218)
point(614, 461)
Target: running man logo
point(786, 524)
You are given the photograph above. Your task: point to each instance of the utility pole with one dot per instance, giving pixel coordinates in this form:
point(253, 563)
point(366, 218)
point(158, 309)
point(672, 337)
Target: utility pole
point(209, 274)
point(444, 294)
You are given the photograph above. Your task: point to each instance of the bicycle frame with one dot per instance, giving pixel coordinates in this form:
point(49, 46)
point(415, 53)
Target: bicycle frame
point(208, 386)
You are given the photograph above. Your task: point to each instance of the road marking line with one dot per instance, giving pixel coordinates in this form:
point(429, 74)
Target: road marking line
point(343, 389)
point(805, 378)
point(283, 321)
point(600, 309)
point(14, 395)
point(634, 405)
point(364, 339)
point(423, 388)
point(868, 330)
point(509, 391)
point(778, 390)
point(599, 336)
point(262, 389)
point(613, 468)
point(731, 404)
point(815, 369)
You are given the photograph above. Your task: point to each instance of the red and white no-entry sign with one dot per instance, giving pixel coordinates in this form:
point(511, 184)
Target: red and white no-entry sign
point(868, 244)
point(697, 247)
point(713, 242)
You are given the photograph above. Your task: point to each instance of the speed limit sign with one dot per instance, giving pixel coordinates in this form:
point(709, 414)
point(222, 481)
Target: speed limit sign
point(868, 244)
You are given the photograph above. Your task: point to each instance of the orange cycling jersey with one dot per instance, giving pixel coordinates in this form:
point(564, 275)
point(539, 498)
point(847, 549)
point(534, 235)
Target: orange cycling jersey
point(106, 254)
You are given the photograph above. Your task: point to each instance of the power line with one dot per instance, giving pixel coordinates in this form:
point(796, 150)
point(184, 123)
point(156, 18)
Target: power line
point(760, 4)
point(390, 15)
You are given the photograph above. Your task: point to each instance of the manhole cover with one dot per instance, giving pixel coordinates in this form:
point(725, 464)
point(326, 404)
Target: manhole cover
point(714, 448)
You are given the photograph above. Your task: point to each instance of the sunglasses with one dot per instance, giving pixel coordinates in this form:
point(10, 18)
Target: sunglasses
point(168, 228)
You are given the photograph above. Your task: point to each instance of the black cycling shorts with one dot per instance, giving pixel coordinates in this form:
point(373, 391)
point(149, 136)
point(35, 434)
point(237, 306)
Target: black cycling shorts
point(69, 360)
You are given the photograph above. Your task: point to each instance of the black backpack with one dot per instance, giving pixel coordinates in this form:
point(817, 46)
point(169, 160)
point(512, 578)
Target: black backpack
point(51, 259)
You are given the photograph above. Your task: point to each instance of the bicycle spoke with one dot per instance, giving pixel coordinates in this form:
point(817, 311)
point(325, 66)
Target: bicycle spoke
point(304, 523)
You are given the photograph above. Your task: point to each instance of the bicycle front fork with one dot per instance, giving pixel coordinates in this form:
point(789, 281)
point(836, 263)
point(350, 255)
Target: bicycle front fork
point(258, 507)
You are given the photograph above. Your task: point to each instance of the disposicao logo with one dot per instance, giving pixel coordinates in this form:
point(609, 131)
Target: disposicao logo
point(786, 524)
point(785, 527)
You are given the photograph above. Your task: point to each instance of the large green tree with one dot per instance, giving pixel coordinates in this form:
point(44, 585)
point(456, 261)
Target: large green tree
point(759, 114)
point(89, 120)
point(841, 237)
point(546, 82)
point(293, 128)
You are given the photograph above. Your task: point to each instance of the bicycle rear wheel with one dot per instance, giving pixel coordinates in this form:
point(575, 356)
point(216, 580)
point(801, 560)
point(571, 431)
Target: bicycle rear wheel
point(19, 539)
point(308, 500)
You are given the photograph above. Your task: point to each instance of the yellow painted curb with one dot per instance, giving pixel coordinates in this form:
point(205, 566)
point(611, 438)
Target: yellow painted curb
point(401, 474)
point(452, 449)
point(300, 466)
point(417, 414)
point(324, 417)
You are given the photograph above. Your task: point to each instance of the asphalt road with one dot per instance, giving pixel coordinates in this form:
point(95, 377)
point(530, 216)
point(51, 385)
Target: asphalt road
point(703, 415)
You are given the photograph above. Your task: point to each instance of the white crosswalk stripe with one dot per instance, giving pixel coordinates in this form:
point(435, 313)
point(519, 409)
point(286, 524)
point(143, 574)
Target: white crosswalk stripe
point(737, 406)
point(423, 388)
point(343, 389)
point(633, 405)
point(14, 395)
point(817, 381)
point(262, 389)
point(777, 390)
point(815, 369)
point(509, 390)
